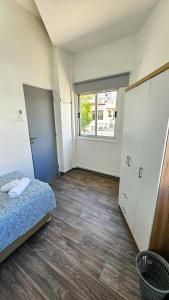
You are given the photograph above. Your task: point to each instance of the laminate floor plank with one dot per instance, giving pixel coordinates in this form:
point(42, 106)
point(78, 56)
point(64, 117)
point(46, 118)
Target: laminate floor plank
point(21, 286)
point(69, 268)
point(89, 262)
point(85, 252)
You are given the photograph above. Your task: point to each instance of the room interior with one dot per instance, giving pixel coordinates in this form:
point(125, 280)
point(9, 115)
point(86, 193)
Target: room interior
point(84, 128)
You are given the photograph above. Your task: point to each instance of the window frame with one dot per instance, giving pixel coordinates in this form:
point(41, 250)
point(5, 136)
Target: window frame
point(95, 136)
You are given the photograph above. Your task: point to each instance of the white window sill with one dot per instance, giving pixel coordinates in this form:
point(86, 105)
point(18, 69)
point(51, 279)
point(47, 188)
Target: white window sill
point(98, 139)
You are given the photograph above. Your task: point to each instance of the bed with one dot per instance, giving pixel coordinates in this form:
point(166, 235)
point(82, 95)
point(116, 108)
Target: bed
point(22, 216)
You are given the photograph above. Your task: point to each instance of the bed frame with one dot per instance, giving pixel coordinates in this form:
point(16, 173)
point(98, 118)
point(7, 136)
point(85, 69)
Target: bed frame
point(12, 247)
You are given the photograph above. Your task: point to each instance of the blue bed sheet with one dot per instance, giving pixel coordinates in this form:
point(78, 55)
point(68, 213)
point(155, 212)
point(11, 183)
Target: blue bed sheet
point(19, 215)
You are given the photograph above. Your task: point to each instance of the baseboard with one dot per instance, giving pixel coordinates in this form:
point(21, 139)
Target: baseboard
point(115, 176)
point(99, 173)
point(62, 173)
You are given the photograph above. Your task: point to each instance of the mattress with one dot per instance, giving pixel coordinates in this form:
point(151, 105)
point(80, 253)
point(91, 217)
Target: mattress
point(18, 215)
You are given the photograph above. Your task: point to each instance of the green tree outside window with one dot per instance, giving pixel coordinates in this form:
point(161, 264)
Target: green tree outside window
point(85, 111)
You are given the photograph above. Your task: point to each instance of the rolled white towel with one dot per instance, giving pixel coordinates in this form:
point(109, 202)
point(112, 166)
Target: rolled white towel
point(10, 185)
point(18, 190)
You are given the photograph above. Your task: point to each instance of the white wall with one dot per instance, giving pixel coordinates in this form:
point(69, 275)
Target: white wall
point(153, 41)
point(114, 58)
point(25, 57)
point(62, 81)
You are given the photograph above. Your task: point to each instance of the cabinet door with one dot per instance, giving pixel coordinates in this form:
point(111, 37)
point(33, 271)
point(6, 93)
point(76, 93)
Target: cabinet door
point(135, 107)
point(126, 173)
point(150, 159)
point(127, 203)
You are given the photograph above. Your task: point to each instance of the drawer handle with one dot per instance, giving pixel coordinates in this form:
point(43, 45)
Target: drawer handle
point(128, 160)
point(140, 173)
point(124, 210)
point(125, 195)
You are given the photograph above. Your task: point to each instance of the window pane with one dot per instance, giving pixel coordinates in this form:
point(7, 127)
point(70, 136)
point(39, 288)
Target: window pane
point(106, 106)
point(87, 114)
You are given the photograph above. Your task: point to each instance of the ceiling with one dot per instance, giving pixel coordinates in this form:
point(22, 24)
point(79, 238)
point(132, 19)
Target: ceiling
point(78, 25)
point(30, 5)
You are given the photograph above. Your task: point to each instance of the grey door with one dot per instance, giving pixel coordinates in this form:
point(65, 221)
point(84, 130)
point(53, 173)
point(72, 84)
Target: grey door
point(40, 114)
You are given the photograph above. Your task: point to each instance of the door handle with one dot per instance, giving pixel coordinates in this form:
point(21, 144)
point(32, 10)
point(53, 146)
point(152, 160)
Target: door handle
point(128, 161)
point(32, 139)
point(140, 172)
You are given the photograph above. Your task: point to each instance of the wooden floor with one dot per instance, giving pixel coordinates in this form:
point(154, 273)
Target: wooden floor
point(85, 252)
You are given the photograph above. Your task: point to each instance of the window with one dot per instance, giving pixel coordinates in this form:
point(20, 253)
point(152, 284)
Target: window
point(97, 114)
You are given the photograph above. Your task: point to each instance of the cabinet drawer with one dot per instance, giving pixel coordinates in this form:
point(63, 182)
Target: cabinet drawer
point(128, 206)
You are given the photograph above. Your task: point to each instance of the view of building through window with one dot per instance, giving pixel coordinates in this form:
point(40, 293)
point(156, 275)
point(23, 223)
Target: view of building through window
point(98, 113)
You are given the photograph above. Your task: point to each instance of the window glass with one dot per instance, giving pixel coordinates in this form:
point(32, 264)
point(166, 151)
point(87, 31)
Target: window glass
point(106, 102)
point(87, 114)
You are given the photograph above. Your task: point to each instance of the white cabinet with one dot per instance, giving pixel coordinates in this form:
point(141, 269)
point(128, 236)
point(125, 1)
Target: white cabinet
point(145, 126)
point(133, 135)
